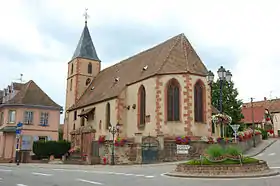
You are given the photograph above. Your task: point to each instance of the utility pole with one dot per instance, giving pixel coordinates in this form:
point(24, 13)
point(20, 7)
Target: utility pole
point(253, 122)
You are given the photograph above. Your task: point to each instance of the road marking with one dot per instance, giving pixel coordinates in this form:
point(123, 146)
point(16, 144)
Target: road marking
point(41, 174)
point(21, 185)
point(261, 154)
point(105, 172)
point(5, 170)
point(220, 179)
point(88, 181)
point(272, 154)
point(149, 176)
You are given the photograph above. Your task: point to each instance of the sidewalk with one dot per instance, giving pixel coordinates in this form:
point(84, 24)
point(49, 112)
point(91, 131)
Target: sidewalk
point(252, 152)
point(261, 147)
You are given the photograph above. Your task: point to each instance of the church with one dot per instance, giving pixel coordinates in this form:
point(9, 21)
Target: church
point(160, 91)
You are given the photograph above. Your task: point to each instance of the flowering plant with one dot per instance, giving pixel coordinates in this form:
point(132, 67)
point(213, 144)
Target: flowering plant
point(183, 140)
point(247, 134)
point(209, 140)
point(101, 139)
point(270, 131)
point(267, 115)
point(221, 118)
point(120, 141)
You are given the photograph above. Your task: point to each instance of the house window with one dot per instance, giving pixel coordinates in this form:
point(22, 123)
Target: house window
point(71, 84)
point(173, 100)
point(1, 118)
point(28, 117)
point(12, 116)
point(90, 68)
point(75, 115)
point(44, 119)
point(108, 115)
point(72, 68)
point(198, 102)
point(142, 106)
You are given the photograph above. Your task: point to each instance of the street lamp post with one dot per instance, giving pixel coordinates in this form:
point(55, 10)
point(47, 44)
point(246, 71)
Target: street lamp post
point(224, 75)
point(210, 80)
point(113, 130)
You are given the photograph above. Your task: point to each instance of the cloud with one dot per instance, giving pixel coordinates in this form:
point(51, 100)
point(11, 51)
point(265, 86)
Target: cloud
point(38, 38)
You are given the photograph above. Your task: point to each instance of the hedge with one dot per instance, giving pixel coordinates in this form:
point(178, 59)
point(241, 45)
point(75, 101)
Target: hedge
point(44, 149)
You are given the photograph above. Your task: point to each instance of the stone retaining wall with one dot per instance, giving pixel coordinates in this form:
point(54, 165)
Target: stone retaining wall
point(222, 169)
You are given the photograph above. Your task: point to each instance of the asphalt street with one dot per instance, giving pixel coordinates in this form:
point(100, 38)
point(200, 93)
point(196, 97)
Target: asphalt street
point(146, 175)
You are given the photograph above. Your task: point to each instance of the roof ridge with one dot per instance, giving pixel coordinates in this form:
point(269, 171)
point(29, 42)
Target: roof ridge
point(168, 54)
point(185, 51)
point(25, 89)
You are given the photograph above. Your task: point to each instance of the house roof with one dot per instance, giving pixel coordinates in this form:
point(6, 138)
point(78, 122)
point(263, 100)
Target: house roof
point(31, 94)
point(258, 114)
point(272, 105)
point(259, 107)
point(214, 110)
point(175, 55)
point(85, 47)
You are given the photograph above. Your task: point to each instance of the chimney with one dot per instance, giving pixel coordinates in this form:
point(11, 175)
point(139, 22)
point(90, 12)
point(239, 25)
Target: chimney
point(264, 98)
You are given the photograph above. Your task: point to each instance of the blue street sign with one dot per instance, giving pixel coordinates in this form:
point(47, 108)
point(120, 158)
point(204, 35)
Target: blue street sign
point(19, 124)
point(18, 131)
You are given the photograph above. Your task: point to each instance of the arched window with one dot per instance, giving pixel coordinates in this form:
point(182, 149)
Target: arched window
point(89, 68)
point(108, 115)
point(72, 68)
point(173, 100)
point(142, 105)
point(198, 102)
point(88, 81)
point(71, 84)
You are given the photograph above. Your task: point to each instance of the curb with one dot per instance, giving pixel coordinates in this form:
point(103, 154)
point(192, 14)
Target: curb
point(263, 149)
point(264, 175)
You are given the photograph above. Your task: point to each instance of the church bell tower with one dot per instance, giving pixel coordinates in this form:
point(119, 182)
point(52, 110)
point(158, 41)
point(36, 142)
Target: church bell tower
point(82, 68)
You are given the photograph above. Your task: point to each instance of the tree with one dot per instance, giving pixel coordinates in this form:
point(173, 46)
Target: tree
point(232, 106)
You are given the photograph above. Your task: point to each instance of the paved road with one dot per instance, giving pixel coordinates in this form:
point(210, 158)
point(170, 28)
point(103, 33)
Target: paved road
point(151, 175)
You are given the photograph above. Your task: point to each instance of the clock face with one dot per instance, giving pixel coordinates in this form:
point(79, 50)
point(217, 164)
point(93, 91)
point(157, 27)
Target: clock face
point(88, 81)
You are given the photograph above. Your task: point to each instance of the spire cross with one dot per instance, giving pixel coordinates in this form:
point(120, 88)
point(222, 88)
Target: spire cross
point(86, 15)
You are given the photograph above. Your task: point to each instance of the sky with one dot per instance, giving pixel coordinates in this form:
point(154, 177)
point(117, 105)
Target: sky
point(38, 38)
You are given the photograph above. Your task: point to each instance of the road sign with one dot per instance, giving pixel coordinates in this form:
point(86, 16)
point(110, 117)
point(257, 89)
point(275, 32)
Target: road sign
point(19, 124)
point(18, 132)
point(235, 127)
point(183, 149)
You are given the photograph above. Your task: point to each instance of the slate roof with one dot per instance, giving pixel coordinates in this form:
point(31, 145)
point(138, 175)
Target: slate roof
point(85, 47)
point(176, 55)
point(31, 94)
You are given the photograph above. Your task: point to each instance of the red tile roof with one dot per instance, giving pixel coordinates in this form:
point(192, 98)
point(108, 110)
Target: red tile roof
point(272, 105)
point(258, 114)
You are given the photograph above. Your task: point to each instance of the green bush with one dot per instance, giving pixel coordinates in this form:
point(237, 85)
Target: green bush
point(246, 160)
point(264, 133)
point(43, 149)
point(233, 151)
point(215, 151)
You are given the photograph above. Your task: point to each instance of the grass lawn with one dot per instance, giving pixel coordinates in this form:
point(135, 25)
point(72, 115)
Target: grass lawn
point(246, 160)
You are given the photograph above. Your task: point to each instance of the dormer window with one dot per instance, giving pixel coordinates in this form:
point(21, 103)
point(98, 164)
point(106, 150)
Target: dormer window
point(117, 79)
point(145, 67)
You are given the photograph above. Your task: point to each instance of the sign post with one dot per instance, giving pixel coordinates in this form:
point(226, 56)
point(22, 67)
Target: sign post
point(235, 128)
point(18, 133)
